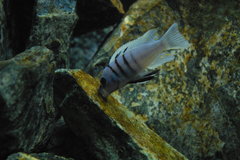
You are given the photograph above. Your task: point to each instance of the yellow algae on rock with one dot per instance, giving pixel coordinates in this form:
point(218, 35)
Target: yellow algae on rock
point(35, 156)
point(195, 96)
point(151, 144)
point(118, 4)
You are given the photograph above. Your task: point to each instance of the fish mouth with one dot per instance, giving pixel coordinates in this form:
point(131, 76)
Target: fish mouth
point(103, 93)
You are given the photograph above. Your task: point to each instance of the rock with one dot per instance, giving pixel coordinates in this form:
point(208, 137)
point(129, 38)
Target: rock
point(5, 53)
point(85, 46)
point(91, 30)
point(55, 21)
point(27, 113)
point(108, 128)
point(39, 156)
point(194, 102)
point(118, 4)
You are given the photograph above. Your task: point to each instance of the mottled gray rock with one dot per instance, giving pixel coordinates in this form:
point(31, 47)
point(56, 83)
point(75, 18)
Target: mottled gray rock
point(85, 46)
point(39, 156)
point(27, 113)
point(54, 23)
point(194, 102)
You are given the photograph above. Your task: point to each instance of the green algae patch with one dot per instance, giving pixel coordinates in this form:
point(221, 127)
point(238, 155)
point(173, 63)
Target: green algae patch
point(151, 144)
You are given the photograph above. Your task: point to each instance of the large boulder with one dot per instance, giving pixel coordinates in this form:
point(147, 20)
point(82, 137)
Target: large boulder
point(194, 102)
point(34, 40)
point(106, 128)
point(26, 98)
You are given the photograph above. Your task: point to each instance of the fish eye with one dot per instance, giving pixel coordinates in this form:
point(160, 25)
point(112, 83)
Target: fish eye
point(103, 82)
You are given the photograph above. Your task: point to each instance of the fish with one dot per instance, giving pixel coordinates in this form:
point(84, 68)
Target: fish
point(139, 59)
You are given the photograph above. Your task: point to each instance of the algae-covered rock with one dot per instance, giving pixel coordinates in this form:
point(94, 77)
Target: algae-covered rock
point(27, 113)
point(107, 127)
point(194, 102)
point(54, 23)
point(39, 156)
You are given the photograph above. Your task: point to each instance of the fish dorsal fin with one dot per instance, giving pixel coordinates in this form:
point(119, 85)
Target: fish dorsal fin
point(146, 37)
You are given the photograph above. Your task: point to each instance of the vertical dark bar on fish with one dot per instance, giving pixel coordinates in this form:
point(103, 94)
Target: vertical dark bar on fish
point(121, 69)
point(113, 70)
point(128, 65)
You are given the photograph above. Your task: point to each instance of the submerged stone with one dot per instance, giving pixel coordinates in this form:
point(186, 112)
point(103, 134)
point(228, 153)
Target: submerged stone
point(194, 102)
point(27, 113)
point(108, 127)
point(53, 27)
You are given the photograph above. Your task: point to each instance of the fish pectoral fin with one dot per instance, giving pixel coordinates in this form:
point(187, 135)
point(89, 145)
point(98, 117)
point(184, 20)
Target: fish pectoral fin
point(151, 73)
point(146, 77)
point(143, 79)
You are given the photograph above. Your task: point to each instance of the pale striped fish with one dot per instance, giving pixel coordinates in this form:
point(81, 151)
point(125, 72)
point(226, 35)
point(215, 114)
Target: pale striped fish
point(138, 60)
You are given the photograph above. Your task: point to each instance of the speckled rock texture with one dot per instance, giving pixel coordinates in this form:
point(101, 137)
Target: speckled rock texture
point(39, 156)
point(191, 110)
point(83, 47)
point(34, 39)
point(55, 21)
point(26, 98)
point(194, 103)
point(107, 127)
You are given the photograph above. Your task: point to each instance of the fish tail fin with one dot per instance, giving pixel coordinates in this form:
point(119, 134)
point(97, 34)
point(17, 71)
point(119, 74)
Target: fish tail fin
point(173, 39)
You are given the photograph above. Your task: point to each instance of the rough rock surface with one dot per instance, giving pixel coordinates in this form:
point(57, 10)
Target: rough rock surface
point(107, 127)
point(26, 98)
point(55, 21)
point(194, 102)
point(39, 156)
point(83, 47)
point(28, 115)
